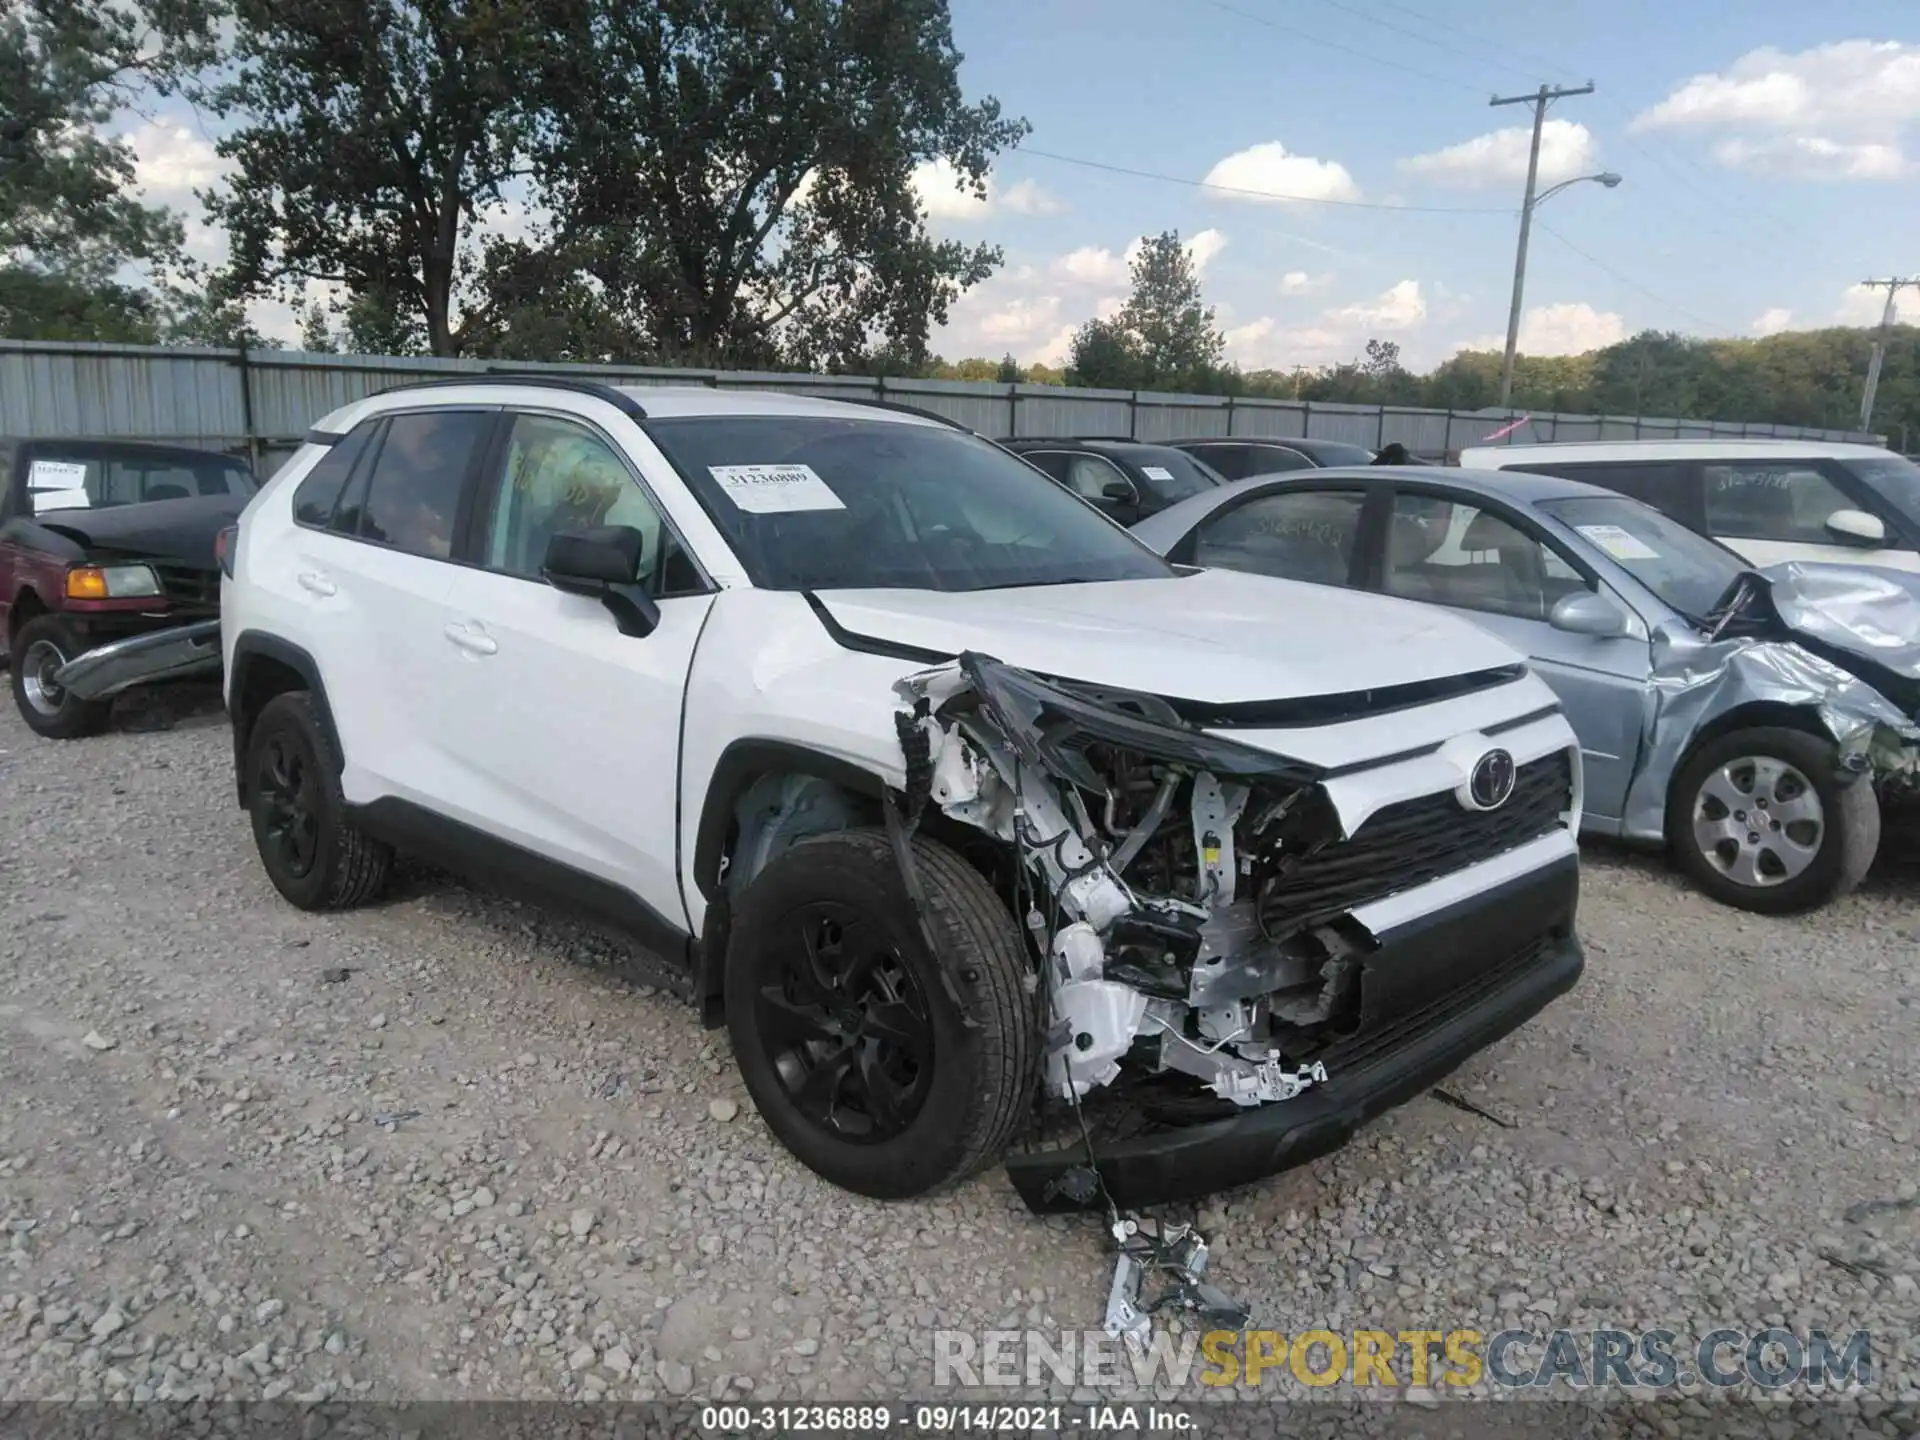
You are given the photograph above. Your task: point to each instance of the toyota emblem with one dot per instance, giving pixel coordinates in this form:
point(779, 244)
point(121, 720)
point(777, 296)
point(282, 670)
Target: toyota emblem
point(1491, 784)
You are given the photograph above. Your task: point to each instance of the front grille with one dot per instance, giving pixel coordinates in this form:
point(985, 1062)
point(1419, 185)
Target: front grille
point(1411, 843)
point(189, 584)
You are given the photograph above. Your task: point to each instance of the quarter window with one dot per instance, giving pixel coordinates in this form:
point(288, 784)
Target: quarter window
point(557, 476)
point(413, 495)
point(319, 493)
point(1447, 552)
point(1296, 535)
point(1757, 500)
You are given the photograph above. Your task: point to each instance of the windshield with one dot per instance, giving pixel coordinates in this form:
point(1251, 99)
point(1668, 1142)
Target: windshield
point(810, 502)
point(102, 479)
point(1174, 475)
point(1687, 571)
point(1896, 479)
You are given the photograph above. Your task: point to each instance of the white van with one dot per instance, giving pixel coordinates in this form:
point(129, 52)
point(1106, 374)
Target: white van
point(1768, 500)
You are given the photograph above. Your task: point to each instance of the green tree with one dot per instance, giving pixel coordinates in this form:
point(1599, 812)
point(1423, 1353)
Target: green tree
point(372, 134)
point(1105, 356)
point(737, 180)
point(1171, 325)
point(1009, 371)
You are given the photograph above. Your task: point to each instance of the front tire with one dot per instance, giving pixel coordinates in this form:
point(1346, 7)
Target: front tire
point(1765, 820)
point(42, 646)
point(854, 1042)
point(312, 852)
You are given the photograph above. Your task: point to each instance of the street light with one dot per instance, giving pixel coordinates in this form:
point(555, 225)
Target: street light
point(1533, 202)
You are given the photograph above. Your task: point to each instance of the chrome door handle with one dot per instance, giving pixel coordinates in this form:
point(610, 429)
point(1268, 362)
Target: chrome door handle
point(473, 641)
point(316, 582)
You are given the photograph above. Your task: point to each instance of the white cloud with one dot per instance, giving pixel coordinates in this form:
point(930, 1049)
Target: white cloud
point(1862, 305)
point(1203, 247)
point(1024, 197)
point(1092, 265)
point(1273, 175)
point(1299, 282)
point(1833, 111)
point(939, 187)
point(172, 161)
point(1565, 329)
point(1567, 149)
point(1813, 157)
point(1772, 322)
point(1401, 307)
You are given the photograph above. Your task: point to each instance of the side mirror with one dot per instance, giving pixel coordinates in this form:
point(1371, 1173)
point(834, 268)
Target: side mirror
point(1117, 490)
point(1586, 613)
point(1857, 527)
point(604, 564)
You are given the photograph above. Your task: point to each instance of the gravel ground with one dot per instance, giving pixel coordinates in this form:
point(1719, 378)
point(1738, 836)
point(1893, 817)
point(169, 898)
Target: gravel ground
point(446, 1148)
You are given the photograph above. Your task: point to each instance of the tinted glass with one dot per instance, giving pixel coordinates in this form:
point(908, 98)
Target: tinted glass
point(413, 495)
point(1894, 479)
point(319, 493)
point(1772, 500)
point(1451, 552)
point(558, 476)
point(1089, 476)
point(1173, 474)
point(1687, 571)
point(1328, 453)
point(1296, 535)
point(1664, 486)
point(812, 502)
point(1051, 461)
point(1276, 460)
point(1229, 460)
point(82, 481)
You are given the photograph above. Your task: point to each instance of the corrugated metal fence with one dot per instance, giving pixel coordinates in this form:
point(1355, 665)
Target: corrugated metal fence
point(261, 402)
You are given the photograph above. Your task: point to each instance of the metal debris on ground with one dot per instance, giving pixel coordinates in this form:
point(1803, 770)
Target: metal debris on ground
point(389, 1119)
point(1460, 1102)
point(1172, 1260)
point(334, 975)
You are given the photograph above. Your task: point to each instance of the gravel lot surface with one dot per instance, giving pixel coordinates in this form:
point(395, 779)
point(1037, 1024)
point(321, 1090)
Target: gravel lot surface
point(445, 1148)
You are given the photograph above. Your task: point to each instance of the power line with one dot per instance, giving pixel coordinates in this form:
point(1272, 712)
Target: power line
point(1366, 55)
point(1478, 57)
point(1265, 194)
point(1631, 283)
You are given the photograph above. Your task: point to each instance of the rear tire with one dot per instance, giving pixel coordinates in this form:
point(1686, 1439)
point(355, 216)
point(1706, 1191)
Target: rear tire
point(312, 852)
point(42, 646)
point(854, 1041)
point(1765, 820)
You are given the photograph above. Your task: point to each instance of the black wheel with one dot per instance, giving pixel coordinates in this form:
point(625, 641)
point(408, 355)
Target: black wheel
point(42, 646)
point(1766, 820)
point(853, 1041)
point(313, 854)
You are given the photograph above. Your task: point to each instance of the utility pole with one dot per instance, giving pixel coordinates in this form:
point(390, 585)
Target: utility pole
point(1540, 99)
point(1893, 288)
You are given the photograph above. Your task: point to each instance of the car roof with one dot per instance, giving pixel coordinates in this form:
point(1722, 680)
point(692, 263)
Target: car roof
point(659, 402)
point(79, 444)
point(1115, 443)
point(1305, 444)
point(1493, 457)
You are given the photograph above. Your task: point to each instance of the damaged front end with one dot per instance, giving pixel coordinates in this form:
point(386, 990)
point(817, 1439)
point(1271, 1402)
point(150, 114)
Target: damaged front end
point(1192, 898)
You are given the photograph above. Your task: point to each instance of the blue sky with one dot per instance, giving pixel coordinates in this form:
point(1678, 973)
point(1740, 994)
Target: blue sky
point(1770, 154)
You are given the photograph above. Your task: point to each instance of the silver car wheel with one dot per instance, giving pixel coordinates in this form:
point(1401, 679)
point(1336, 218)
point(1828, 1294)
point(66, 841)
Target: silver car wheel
point(1758, 821)
point(38, 666)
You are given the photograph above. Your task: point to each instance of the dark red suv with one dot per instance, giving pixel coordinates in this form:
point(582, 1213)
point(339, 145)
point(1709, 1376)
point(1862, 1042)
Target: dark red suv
point(108, 551)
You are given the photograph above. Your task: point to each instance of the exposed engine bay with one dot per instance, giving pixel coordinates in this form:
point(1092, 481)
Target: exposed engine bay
point(1189, 894)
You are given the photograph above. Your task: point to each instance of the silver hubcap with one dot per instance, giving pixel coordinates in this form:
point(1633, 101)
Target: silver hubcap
point(1758, 821)
point(37, 669)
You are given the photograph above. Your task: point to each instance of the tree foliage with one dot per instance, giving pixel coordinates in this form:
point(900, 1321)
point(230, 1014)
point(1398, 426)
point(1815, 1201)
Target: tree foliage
point(1164, 337)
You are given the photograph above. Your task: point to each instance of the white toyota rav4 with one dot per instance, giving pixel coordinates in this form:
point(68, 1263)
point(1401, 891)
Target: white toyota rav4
point(973, 821)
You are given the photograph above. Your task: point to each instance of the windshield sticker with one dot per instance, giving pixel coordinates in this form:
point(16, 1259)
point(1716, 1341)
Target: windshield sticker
point(1155, 472)
point(774, 489)
point(58, 485)
point(1619, 543)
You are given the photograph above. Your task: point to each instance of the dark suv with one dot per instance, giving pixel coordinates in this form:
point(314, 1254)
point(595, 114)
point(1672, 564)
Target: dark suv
point(1244, 456)
point(1129, 479)
point(107, 550)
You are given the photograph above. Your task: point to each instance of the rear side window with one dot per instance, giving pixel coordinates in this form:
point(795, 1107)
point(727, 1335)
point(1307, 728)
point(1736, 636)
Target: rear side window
point(319, 494)
point(1275, 460)
point(1667, 486)
point(1295, 535)
point(418, 478)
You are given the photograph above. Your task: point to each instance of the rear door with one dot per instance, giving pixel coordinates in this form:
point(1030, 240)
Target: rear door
point(1495, 567)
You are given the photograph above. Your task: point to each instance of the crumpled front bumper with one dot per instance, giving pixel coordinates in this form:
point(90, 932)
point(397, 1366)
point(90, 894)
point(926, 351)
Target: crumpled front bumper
point(1493, 962)
point(179, 653)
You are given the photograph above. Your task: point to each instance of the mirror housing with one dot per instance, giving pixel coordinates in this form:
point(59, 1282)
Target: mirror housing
point(604, 564)
point(1586, 612)
point(1857, 527)
point(1117, 490)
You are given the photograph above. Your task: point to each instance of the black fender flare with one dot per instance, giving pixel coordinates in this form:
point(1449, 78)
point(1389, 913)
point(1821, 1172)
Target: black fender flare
point(251, 647)
point(739, 765)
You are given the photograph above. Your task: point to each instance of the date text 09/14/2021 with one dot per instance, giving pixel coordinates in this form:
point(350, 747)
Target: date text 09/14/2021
point(943, 1419)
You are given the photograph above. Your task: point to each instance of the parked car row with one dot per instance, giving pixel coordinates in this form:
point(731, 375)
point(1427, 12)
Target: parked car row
point(940, 789)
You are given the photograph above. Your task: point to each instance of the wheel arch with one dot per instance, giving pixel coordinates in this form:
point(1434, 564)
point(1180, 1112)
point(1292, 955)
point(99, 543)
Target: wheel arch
point(741, 766)
point(1755, 715)
point(26, 606)
point(264, 666)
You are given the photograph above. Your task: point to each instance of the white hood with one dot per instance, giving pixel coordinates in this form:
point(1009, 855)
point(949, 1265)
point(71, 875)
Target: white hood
point(1220, 636)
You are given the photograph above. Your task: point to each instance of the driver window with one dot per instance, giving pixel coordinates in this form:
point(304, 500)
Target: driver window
point(1447, 552)
point(1758, 501)
point(559, 476)
point(1088, 476)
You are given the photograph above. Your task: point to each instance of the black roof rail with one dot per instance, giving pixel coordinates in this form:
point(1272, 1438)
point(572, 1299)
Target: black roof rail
point(875, 403)
point(614, 396)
